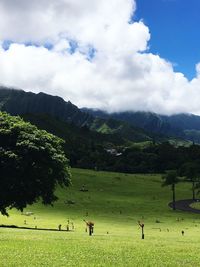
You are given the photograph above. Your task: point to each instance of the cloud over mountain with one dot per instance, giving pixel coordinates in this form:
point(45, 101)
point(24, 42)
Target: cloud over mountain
point(92, 53)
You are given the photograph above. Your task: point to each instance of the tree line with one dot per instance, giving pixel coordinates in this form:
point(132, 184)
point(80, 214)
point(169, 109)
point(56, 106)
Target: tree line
point(154, 159)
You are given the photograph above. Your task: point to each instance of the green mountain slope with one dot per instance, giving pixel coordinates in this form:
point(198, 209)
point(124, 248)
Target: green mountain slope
point(18, 102)
point(121, 128)
point(82, 146)
point(184, 126)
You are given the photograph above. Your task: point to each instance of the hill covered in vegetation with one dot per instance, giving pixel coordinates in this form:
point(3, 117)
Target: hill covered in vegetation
point(19, 102)
point(99, 143)
point(184, 126)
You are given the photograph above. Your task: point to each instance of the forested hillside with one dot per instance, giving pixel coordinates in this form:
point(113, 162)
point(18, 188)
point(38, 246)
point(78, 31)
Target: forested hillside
point(185, 126)
point(99, 143)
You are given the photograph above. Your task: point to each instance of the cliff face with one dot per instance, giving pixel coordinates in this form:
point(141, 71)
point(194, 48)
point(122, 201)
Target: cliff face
point(184, 126)
point(134, 126)
point(18, 102)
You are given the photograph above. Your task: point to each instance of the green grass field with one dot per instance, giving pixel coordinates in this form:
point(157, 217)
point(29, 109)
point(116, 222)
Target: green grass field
point(115, 202)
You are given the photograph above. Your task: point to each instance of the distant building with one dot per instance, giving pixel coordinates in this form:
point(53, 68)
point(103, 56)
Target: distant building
point(113, 151)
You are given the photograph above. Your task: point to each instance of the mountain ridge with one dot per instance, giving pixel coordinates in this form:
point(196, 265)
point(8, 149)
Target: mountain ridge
point(134, 126)
point(19, 102)
point(183, 125)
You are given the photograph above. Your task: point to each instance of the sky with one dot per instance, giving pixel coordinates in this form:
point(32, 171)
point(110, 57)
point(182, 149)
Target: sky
point(116, 55)
point(174, 31)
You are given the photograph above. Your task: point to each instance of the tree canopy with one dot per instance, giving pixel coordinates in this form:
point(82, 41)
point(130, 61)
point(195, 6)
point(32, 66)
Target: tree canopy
point(191, 171)
point(170, 178)
point(32, 164)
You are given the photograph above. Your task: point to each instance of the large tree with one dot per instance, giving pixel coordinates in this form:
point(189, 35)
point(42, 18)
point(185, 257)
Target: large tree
point(32, 164)
point(171, 178)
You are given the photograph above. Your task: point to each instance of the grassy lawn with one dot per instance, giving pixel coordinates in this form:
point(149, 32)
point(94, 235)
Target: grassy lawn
point(196, 205)
point(115, 202)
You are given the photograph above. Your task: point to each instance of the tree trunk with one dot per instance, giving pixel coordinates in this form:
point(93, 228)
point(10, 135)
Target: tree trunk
point(142, 232)
point(193, 190)
point(90, 230)
point(173, 197)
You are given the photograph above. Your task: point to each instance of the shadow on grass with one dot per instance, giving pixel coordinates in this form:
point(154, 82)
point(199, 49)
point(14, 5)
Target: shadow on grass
point(31, 228)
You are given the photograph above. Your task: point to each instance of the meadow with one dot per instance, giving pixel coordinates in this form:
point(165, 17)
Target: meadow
point(115, 202)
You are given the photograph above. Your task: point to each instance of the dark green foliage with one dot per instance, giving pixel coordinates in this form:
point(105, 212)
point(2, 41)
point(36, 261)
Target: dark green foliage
point(87, 149)
point(83, 147)
point(32, 163)
point(191, 172)
point(170, 178)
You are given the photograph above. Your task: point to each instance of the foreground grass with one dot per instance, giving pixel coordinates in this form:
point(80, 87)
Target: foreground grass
point(55, 249)
point(115, 202)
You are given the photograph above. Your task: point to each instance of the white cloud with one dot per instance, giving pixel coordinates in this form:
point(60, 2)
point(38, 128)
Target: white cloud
point(96, 59)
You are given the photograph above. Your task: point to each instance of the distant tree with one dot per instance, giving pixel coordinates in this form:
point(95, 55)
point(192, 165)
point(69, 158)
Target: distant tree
point(191, 171)
point(32, 164)
point(171, 178)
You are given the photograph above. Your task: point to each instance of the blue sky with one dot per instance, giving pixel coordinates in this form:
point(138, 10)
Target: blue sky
point(174, 27)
